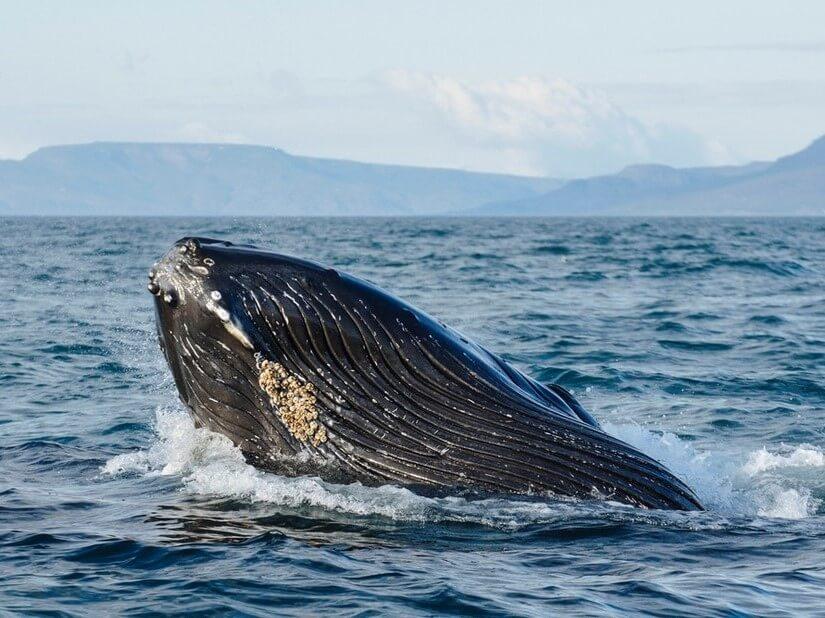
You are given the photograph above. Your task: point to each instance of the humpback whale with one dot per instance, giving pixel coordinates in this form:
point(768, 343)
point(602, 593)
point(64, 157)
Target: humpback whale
point(309, 370)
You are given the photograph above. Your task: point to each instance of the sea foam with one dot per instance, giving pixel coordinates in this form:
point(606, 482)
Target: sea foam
point(729, 483)
point(208, 464)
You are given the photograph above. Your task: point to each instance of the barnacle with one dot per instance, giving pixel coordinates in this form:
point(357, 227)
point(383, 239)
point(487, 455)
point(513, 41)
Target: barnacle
point(294, 400)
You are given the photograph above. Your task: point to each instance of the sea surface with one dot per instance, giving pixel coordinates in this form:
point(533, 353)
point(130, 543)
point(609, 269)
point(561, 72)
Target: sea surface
point(700, 341)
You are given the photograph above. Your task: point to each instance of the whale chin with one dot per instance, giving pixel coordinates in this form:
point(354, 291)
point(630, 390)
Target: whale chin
point(309, 370)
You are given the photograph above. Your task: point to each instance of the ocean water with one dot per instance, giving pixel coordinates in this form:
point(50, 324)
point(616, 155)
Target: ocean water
point(700, 341)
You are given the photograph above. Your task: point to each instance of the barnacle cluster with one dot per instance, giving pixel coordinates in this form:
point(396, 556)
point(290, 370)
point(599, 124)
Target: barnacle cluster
point(294, 400)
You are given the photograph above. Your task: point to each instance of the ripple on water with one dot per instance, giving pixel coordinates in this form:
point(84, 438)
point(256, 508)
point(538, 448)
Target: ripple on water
point(701, 343)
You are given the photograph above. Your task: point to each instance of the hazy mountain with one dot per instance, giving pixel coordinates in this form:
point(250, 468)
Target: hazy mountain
point(792, 185)
point(207, 179)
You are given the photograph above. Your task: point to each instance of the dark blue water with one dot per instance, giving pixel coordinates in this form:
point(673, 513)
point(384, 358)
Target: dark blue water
point(700, 341)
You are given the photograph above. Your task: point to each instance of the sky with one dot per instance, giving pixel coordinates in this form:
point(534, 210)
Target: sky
point(558, 89)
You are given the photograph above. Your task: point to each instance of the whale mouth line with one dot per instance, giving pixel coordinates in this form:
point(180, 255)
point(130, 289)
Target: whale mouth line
point(397, 396)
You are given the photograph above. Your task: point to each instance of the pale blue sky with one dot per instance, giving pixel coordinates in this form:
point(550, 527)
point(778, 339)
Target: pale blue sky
point(555, 88)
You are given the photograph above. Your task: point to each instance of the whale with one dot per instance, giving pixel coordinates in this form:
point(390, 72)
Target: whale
point(312, 371)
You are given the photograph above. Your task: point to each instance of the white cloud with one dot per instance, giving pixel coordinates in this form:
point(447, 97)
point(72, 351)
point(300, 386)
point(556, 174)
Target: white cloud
point(525, 125)
point(547, 126)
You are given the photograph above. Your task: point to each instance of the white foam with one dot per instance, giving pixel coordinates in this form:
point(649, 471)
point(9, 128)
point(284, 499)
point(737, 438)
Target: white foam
point(209, 464)
point(735, 485)
point(180, 449)
point(803, 456)
point(787, 503)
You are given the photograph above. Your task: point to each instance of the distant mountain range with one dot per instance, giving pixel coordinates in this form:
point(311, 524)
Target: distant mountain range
point(211, 179)
point(235, 180)
point(793, 185)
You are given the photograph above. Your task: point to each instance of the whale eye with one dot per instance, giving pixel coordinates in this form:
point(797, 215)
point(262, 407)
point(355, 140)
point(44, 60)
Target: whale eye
point(209, 261)
point(170, 298)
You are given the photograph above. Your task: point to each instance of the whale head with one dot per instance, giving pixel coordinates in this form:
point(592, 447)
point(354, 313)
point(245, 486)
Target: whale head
point(205, 293)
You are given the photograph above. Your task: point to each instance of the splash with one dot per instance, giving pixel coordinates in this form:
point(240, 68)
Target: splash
point(180, 449)
point(804, 456)
point(734, 485)
point(209, 464)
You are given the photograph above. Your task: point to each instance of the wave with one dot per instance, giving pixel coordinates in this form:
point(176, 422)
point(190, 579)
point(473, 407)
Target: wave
point(209, 465)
